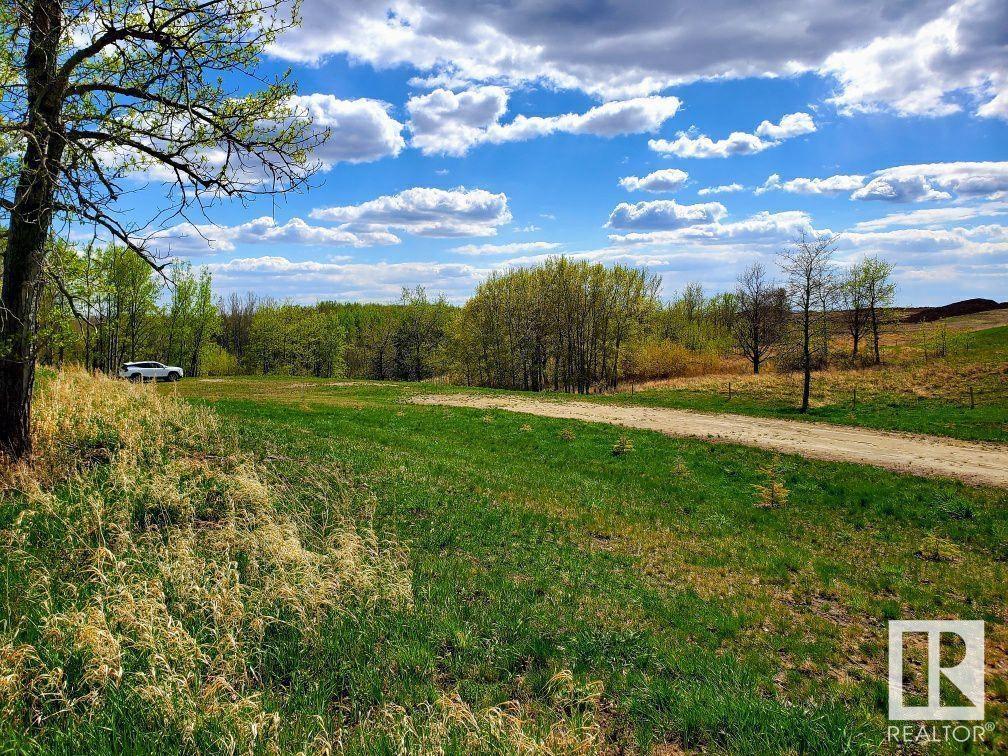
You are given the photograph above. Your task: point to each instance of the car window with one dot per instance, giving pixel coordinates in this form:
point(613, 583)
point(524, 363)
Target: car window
point(156, 365)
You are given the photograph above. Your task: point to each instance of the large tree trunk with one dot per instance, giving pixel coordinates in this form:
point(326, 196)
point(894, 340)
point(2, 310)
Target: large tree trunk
point(30, 219)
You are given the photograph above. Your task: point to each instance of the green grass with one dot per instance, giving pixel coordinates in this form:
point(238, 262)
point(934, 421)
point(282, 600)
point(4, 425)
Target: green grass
point(711, 622)
point(886, 400)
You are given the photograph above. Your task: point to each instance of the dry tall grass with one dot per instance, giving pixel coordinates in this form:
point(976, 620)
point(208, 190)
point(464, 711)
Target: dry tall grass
point(147, 562)
point(150, 561)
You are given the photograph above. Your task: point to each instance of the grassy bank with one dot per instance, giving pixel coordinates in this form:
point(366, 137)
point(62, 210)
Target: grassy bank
point(518, 587)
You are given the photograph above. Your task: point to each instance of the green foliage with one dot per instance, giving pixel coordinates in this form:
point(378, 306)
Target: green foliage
point(565, 325)
point(711, 624)
point(104, 306)
point(289, 339)
point(622, 446)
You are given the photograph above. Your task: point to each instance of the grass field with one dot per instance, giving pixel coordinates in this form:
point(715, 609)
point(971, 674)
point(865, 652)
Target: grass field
point(907, 394)
point(559, 597)
point(710, 621)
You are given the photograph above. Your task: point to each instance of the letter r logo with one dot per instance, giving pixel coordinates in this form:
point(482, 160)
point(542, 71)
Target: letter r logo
point(967, 675)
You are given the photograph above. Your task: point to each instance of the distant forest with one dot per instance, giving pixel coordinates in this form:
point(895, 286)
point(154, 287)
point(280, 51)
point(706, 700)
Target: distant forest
point(565, 325)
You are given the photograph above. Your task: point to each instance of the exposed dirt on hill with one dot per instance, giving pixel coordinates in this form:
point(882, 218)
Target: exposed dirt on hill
point(916, 454)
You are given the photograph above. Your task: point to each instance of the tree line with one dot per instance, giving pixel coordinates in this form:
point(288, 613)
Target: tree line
point(565, 325)
point(103, 306)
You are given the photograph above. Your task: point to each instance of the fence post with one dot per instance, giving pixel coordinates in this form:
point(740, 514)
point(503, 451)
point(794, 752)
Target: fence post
point(854, 399)
point(729, 391)
point(972, 405)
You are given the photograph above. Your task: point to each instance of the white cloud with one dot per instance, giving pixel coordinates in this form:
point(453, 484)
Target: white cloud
point(722, 189)
point(515, 248)
point(188, 239)
point(611, 50)
point(926, 71)
point(906, 183)
point(311, 280)
point(763, 227)
point(448, 123)
point(667, 180)
point(659, 215)
point(937, 216)
point(936, 181)
point(360, 130)
point(832, 185)
point(425, 212)
point(738, 142)
point(791, 125)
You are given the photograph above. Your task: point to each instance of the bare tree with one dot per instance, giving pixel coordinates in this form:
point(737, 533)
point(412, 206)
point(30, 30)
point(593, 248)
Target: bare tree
point(807, 266)
point(762, 314)
point(95, 92)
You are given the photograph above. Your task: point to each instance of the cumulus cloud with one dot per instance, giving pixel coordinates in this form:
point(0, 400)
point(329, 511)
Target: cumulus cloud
point(311, 280)
point(659, 215)
point(936, 181)
point(667, 180)
point(360, 130)
point(906, 183)
point(928, 71)
point(832, 185)
point(937, 216)
point(191, 240)
point(425, 211)
point(722, 189)
point(738, 142)
point(763, 227)
point(448, 123)
point(611, 50)
point(791, 125)
point(515, 248)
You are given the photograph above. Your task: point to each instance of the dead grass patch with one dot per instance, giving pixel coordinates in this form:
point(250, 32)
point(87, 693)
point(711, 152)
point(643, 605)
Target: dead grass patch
point(147, 569)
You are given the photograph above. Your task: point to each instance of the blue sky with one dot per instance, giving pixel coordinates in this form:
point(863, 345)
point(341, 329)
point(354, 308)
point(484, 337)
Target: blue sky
point(438, 170)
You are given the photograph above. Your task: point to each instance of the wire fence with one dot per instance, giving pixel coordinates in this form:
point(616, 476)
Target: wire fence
point(970, 396)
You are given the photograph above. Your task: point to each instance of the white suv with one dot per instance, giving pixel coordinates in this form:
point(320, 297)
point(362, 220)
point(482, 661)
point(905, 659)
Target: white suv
point(149, 371)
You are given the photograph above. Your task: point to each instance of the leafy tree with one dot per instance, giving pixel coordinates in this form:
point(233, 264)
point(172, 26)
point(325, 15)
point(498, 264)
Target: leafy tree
point(192, 318)
point(880, 292)
point(93, 92)
point(564, 325)
point(854, 303)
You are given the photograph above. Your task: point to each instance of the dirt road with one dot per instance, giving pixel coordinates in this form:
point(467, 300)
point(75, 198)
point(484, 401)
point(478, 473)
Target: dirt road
point(920, 455)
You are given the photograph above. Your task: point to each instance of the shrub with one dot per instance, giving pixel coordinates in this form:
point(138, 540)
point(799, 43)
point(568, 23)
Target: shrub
point(567, 434)
point(622, 446)
point(773, 493)
point(934, 548)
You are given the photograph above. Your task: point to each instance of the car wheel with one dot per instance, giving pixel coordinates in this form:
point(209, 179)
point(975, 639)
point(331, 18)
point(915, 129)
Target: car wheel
point(135, 377)
point(174, 377)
